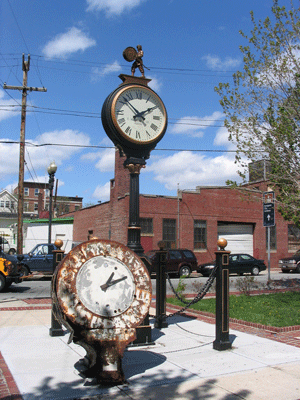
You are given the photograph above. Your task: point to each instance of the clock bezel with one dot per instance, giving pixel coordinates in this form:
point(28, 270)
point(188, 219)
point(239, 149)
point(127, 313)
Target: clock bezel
point(130, 148)
point(120, 130)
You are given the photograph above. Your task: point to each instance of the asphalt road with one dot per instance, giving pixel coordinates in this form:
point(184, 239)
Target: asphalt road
point(42, 288)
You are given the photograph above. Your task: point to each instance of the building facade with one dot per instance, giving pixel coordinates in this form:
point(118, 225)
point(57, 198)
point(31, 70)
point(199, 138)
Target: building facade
point(193, 219)
point(36, 201)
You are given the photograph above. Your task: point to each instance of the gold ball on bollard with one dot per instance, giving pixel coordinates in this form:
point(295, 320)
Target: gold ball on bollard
point(222, 243)
point(58, 243)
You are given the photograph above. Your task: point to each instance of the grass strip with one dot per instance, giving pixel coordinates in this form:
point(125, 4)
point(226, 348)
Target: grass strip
point(276, 309)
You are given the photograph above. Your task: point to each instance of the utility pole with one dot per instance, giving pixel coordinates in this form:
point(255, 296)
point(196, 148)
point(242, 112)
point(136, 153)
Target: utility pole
point(24, 88)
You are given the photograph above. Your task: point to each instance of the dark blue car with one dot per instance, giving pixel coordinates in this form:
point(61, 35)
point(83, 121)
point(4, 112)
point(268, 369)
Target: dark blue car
point(40, 259)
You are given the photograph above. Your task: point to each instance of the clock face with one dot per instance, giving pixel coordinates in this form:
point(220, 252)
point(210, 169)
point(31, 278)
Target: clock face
point(139, 114)
point(105, 286)
point(102, 284)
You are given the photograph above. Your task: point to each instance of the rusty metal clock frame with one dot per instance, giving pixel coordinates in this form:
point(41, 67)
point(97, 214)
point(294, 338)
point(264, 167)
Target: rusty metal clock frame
point(103, 322)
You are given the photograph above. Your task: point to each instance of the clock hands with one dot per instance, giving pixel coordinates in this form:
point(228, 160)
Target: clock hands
point(117, 280)
point(137, 113)
point(140, 114)
point(109, 282)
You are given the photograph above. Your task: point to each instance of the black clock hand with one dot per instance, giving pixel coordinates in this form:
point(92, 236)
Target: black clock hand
point(117, 281)
point(109, 283)
point(106, 285)
point(134, 110)
point(140, 114)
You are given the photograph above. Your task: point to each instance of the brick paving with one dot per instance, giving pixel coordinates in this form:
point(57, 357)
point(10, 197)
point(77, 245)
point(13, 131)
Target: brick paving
point(287, 335)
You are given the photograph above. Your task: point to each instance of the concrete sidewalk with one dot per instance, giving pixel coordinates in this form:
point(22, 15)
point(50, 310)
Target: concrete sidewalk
point(181, 365)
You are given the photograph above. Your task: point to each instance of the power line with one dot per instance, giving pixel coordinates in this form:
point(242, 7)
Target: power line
point(109, 147)
point(23, 38)
point(87, 114)
point(85, 63)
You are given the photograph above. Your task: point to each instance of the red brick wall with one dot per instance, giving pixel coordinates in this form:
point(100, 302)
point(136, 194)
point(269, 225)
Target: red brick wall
point(110, 220)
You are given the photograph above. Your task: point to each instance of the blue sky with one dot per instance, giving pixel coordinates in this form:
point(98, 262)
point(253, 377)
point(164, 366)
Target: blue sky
point(76, 53)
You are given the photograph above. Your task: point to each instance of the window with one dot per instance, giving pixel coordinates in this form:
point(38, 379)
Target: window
point(175, 255)
point(200, 241)
point(273, 241)
point(26, 191)
point(293, 238)
point(26, 207)
point(36, 192)
point(12, 205)
point(188, 254)
point(2, 203)
point(169, 232)
point(36, 206)
point(146, 226)
point(7, 204)
point(245, 257)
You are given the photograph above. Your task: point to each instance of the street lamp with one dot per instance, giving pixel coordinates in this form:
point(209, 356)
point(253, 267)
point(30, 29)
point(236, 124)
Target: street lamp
point(51, 171)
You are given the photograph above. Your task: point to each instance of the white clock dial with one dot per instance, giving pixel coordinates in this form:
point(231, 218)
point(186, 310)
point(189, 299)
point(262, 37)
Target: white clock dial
point(139, 114)
point(105, 286)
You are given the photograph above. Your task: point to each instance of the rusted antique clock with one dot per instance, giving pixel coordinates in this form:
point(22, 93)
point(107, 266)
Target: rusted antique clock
point(103, 292)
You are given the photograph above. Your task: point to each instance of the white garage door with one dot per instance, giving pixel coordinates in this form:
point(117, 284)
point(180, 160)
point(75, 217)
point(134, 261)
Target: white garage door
point(239, 237)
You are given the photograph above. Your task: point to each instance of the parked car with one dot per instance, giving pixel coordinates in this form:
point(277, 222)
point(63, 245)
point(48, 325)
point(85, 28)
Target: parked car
point(40, 258)
point(290, 263)
point(179, 261)
point(238, 264)
point(6, 247)
point(10, 271)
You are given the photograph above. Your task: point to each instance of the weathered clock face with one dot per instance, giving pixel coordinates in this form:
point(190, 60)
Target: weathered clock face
point(105, 286)
point(138, 114)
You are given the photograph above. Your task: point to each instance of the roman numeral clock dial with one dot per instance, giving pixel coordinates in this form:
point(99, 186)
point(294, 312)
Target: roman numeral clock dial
point(135, 116)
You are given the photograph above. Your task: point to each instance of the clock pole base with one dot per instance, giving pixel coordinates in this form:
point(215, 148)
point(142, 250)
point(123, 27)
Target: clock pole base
point(143, 336)
point(104, 353)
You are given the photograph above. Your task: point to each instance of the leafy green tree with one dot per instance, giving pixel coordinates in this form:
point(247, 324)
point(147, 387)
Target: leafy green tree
point(262, 105)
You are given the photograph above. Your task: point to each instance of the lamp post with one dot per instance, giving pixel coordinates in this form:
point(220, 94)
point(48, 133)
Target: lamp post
point(51, 171)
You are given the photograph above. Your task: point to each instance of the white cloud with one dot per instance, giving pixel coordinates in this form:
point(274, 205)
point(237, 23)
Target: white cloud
point(221, 139)
point(64, 44)
point(155, 84)
point(105, 160)
point(99, 73)
point(112, 7)
point(41, 157)
point(192, 169)
point(194, 126)
point(215, 62)
point(8, 107)
point(102, 192)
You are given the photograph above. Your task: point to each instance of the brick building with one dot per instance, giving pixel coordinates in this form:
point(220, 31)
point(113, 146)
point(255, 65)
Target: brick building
point(36, 201)
point(193, 219)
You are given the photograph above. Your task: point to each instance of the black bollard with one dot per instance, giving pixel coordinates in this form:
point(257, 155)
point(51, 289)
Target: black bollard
point(56, 328)
point(161, 291)
point(222, 298)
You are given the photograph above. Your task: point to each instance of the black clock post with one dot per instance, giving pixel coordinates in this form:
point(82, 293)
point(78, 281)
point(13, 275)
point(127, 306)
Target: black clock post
point(135, 119)
point(134, 166)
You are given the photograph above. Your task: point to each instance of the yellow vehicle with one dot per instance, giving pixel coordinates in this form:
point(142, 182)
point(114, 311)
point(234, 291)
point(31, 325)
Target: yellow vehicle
point(10, 271)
